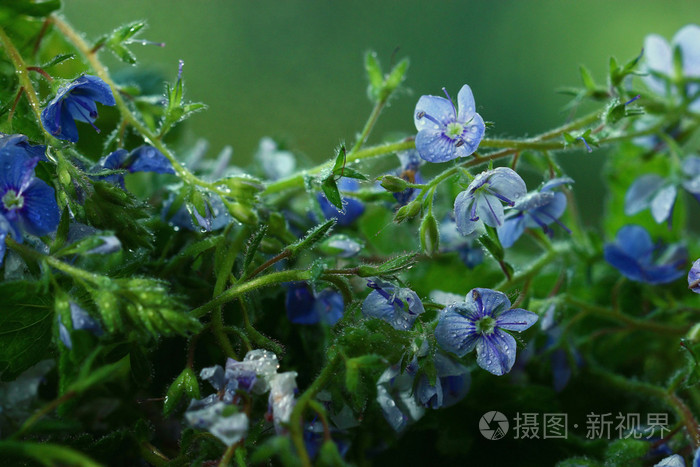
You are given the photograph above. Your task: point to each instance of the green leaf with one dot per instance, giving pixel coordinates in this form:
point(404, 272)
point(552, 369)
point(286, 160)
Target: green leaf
point(587, 78)
point(339, 160)
point(330, 189)
point(26, 319)
point(122, 53)
point(253, 245)
point(312, 237)
point(352, 173)
point(391, 266)
point(60, 58)
point(397, 75)
point(185, 384)
point(374, 76)
point(31, 8)
point(127, 31)
point(492, 244)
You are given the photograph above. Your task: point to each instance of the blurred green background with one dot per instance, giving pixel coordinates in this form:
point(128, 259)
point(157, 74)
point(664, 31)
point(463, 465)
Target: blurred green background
point(293, 69)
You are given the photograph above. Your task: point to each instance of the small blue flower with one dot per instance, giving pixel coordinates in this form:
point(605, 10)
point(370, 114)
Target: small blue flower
point(694, 277)
point(399, 306)
point(444, 133)
point(306, 307)
point(352, 208)
point(80, 320)
point(451, 385)
point(142, 159)
point(275, 163)
point(215, 217)
point(410, 163)
point(467, 248)
point(482, 199)
point(479, 323)
point(658, 54)
point(27, 204)
point(75, 101)
point(396, 398)
point(638, 259)
point(536, 209)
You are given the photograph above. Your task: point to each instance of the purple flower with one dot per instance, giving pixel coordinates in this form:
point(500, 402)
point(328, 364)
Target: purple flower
point(640, 260)
point(444, 133)
point(482, 199)
point(694, 277)
point(658, 54)
point(75, 101)
point(306, 307)
point(27, 204)
point(537, 209)
point(480, 322)
point(399, 306)
point(142, 159)
point(352, 208)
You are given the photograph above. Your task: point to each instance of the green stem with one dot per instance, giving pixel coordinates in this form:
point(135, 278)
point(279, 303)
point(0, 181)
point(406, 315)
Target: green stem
point(228, 455)
point(239, 289)
point(611, 314)
point(368, 126)
point(534, 269)
point(296, 427)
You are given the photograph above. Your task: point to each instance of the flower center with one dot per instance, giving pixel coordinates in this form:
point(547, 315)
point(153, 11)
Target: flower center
point(485, 325)
point(12, 200)
point(454, 130)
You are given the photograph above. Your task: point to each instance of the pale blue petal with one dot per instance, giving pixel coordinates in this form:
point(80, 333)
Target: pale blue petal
point(434, 146)
point(486, 302)
point(620, 260)
point(511, 230)
point(455, 332)
point(472, 135)
point(662, 203)
point(693, 274)
point(463, 207)
point(438, 108)
point(507, 183)
point(635, 241)
point(555, 182)
point(516, 319)
point(640, 193)
point(496, 352)
point(489, 209)
point(466, 105)
point(688, 39)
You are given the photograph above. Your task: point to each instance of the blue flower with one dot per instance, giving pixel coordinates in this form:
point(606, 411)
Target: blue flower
point(694, 277)
point(396, 399)
point(275, 163)
point(444, 133)
point(215, 217)
point(306, 307)
point(658, 55)
point(75, 101)
point(536, 209)
point(142, 159)
point(482, 199)
point(451, 385)
point(352, 208)
point(410, 163)
point(27, 204)
point(638, 259)
point(399, 306)
point(480, 322)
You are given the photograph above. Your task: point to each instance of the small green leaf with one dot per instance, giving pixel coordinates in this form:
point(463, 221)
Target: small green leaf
point(492, 244)
point(185, 384)
point(352, 173)
point(127, 31)
point(587, 78)
point(60, 58)
point(374, 75)
point(122, 53)
point(330, 189)
point(391, 266)
point(397, 75)
point(339, 160)
point(313, 236)
point(253, 245)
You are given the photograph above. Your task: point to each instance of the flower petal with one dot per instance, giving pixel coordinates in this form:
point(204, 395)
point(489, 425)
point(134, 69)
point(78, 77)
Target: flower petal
point(658, 54)
point(465, 102)
point(40, 214)
point(516, 319)
point(620, 260)
point(93, 88)
point(496, 353)
point(688, 39)
point(455, 332)
point(640, 193)
point(149, 159)
point(471, 136)
point(662, 203)
point(635, 241)
point(438, 108)
point(462, 212)
point(487, 302)
point(489, 209)
point(507, 183)
point(434, 146)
